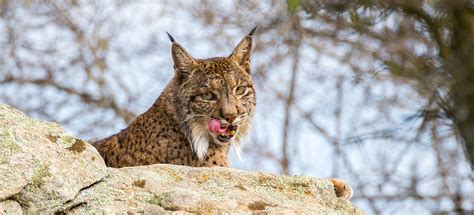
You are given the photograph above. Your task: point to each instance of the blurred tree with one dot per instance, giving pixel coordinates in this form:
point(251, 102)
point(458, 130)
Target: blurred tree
point(428, 42)
point(64, 59)
point(372, 91)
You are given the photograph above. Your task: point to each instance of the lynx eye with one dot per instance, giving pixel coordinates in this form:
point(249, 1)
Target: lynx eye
point(240, 90)
point(209, 96)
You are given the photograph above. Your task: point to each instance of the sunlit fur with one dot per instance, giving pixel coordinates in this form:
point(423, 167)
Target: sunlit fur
point(175, 129)
point(221, 77)
point(199, 140)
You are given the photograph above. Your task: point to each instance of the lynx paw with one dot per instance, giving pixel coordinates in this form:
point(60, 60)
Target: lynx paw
point(342, 188)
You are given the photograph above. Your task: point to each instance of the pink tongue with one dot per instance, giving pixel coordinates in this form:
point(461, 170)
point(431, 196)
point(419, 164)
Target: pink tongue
point(214, 126)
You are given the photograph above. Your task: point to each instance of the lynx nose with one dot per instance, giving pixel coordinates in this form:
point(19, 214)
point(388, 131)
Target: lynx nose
point(229, 112)
point(230, 117)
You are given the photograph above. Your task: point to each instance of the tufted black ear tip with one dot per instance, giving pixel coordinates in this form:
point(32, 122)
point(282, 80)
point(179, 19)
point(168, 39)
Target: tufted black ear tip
point(253, 30)
point(170, 37)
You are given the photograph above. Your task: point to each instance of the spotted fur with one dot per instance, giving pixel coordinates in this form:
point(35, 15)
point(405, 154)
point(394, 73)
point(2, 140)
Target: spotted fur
point(174, 130)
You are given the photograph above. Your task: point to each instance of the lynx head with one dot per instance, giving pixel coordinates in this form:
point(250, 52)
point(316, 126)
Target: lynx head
point(214, 98)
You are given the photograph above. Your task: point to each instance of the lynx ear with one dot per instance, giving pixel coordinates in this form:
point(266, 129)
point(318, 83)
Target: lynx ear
point(241, 53)
point(183, 61)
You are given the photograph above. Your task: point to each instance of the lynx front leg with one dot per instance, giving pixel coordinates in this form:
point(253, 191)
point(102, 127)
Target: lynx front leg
point(342, 188)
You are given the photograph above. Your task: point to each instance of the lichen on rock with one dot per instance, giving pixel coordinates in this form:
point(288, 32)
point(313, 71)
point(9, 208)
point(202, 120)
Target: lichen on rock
point(39, 174)
point(44, 170)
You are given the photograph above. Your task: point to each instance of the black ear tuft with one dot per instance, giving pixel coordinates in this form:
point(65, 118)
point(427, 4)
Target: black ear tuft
point(241, 53)
point(170, 37)
point(253, 30)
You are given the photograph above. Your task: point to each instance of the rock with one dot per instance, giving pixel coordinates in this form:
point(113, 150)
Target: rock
point(42, 167)
point(162, 187)
point(10, 207)
point(44, 170)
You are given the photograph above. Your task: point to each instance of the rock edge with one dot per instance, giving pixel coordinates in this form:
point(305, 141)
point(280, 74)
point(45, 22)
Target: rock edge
point(45, 170)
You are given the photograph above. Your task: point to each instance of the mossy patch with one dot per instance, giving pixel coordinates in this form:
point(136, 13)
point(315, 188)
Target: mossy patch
point(203, 178)
point(52, 137)
point(107, 195)
point(344, 205)
point(139, 183)
point(217, 191)
point(8, 146)
point(158, 199)
point(41, 173)
point(323, 184)
point(147, 197)
point(171, 172)
point(10, 110)
point(284, 184)
point(258, 205)
point(284, 188)
point(40, 177)
point(78, 146)
point(66, 141)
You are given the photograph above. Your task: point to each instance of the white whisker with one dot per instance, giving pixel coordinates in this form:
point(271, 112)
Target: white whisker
point(236, 146)
point(240, 138)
